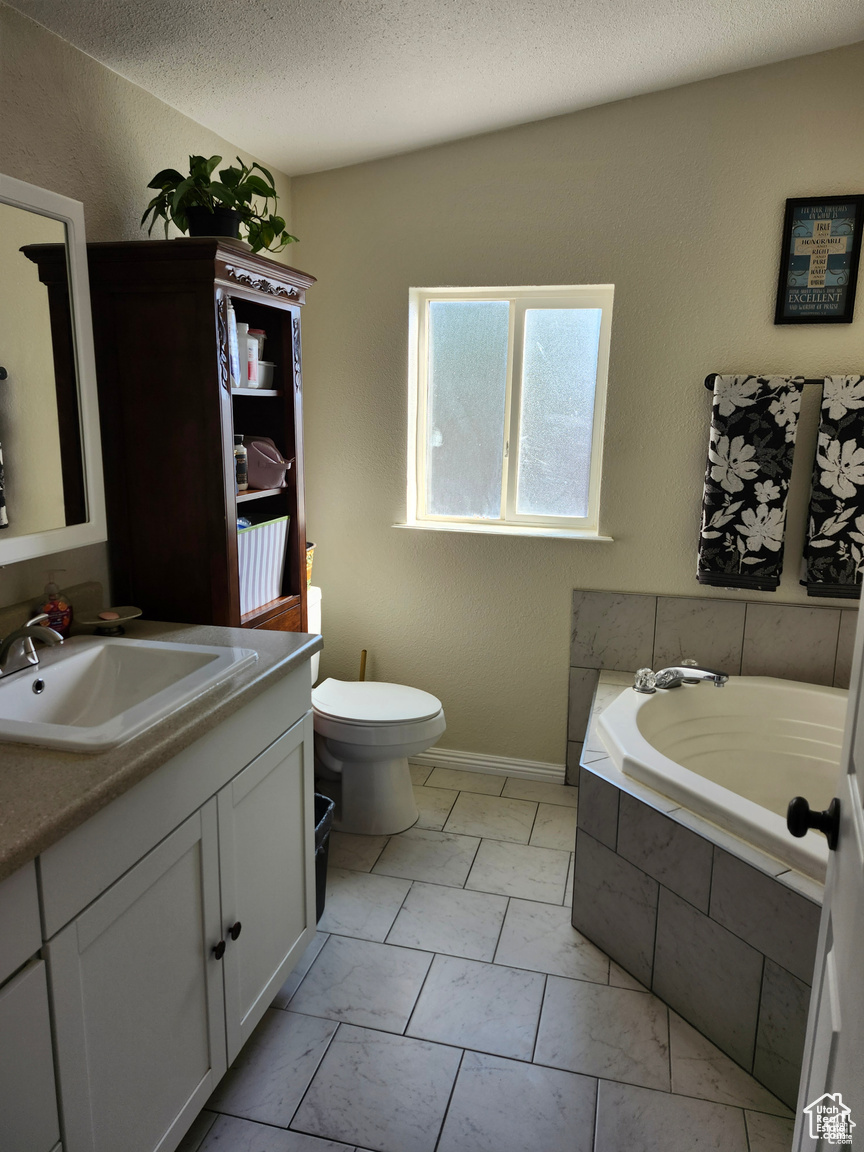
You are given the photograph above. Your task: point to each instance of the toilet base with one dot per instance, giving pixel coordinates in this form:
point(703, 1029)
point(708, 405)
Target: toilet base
point(377, 798)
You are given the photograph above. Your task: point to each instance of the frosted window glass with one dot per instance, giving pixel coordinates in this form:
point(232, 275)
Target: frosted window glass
point(465, 416)
point(559, 374)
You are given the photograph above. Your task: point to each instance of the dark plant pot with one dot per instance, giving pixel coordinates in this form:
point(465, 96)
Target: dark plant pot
point(220, 222)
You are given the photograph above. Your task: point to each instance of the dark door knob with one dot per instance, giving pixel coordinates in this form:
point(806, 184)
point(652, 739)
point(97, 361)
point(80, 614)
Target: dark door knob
point(800, 818)
point(235, 930)
point(219, 950)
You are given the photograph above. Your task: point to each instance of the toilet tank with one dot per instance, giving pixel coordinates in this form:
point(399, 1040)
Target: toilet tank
point(313, 617)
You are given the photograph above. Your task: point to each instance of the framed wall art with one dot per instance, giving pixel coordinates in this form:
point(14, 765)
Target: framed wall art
point(819, 260)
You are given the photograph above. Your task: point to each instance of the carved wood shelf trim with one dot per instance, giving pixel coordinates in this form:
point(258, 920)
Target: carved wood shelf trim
point(262, 283)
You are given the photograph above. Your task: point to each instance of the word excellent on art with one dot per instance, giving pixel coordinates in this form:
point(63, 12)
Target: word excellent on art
point(819, 260)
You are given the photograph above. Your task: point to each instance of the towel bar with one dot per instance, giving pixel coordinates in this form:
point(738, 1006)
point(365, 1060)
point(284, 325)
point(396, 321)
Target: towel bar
point(712, 376)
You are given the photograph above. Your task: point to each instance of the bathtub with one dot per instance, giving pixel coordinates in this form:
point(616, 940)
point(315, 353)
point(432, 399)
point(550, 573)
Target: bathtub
point(736, 755)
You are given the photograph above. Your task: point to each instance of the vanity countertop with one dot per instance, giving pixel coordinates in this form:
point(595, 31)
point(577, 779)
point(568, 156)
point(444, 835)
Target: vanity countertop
point(46, 793)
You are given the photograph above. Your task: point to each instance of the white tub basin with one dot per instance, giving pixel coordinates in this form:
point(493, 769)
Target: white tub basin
point(98, 692)
point(736, 755)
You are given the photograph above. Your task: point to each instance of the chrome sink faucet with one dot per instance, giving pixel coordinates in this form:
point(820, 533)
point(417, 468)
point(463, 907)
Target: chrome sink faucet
point(686, 673)
point(18, 651)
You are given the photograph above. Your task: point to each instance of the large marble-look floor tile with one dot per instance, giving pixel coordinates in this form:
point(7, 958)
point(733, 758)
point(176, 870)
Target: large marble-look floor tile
point(380, 1091)
point(450, 920)
point(554, 827)
point(507, 1106)
point(479, 1006)
point(274, 1068)
point(520, 870)
point(361, 982)
point(305, 963)
point(194, 1138)
point(631, 1119)
point(619, 978)
point(422, 854)
point(568, 888)
point(359, 853)
point(603, 1031)
point(483, 782)
point(541, 792)
point(492, 816)
point(434, 806)
point(701, 1069)
point(769, 1133)
point(229, 1134)
point(359, 904)
point(541, 938)
point(420, 773)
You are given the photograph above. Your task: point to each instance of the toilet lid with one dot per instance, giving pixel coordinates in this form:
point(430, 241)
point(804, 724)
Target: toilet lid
point(370, 702)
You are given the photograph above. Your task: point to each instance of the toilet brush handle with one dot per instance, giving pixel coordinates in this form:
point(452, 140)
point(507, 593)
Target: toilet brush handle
point(362, 675)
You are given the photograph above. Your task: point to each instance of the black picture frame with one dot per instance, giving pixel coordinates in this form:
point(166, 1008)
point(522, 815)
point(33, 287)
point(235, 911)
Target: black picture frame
point(823, 293)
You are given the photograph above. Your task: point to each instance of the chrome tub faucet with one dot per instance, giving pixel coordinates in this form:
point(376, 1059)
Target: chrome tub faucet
point(687, 672)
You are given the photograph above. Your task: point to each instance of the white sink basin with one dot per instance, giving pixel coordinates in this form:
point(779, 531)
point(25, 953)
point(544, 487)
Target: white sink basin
point(91, 693)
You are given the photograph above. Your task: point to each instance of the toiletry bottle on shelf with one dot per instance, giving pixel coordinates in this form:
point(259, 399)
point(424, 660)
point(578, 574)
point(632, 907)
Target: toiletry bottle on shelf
point(241, 464)
point(56, 607)
point(252, 360)
point(243, 354)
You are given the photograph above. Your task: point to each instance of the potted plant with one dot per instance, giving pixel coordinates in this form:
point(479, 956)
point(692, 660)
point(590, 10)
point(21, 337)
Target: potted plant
point(202, 206)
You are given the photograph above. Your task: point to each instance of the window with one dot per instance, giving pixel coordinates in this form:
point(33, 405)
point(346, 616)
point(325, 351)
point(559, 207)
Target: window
point(506, 403)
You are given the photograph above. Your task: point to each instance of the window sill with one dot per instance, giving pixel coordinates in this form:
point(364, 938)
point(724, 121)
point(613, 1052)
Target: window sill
point(510, 530)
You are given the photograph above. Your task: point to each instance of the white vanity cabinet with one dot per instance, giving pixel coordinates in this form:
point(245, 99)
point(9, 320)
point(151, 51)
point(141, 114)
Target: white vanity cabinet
point(158, 981)
point(28, 1105)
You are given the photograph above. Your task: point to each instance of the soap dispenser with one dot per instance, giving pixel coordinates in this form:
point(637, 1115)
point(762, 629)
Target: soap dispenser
point(56, 607)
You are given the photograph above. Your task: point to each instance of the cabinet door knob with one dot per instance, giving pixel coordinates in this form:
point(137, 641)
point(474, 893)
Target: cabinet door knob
point(219, 950)
point(800, 818)
point(235, 930)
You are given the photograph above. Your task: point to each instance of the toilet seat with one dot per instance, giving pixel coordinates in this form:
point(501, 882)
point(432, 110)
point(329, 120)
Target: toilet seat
point(372, 704)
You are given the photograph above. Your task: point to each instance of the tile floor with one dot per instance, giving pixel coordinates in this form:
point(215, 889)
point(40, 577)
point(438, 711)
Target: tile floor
point(447, 1005)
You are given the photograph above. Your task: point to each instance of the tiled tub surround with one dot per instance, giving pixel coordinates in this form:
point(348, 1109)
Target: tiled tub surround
point(623, 631)
point(722, 932)
point(447, 1005)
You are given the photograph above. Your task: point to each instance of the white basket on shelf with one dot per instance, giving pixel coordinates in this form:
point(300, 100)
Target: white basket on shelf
point(261, 555)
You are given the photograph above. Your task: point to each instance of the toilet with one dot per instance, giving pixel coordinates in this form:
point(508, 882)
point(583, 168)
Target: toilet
point(364, 733)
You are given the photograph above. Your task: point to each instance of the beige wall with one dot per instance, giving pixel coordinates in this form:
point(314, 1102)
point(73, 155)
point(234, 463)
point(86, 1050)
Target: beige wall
point(676, 198)
point(71, 125)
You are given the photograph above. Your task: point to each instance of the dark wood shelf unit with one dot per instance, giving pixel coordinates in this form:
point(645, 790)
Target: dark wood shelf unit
point(169, 418)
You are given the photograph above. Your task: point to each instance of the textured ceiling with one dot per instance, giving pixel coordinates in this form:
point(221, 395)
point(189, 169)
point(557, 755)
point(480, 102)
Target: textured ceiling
point(314, 84)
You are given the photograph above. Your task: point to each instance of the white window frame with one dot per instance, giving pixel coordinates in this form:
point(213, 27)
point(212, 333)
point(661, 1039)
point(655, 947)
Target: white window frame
point(520, 300)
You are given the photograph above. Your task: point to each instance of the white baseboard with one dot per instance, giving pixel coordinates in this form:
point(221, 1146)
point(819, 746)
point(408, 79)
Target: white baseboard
point(493, 765)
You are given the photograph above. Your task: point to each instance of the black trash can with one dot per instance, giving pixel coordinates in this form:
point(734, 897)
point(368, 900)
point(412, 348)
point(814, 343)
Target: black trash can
point(323, 823)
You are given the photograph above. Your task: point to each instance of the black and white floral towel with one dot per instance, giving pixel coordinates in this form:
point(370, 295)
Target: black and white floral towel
point(754, 422)
point(834, 554)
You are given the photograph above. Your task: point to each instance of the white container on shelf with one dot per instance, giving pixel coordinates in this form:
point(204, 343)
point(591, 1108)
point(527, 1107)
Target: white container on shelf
point(261, 557)
point(265, 373)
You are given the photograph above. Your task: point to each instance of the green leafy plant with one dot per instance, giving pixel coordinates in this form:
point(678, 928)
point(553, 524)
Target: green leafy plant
point(239, 189)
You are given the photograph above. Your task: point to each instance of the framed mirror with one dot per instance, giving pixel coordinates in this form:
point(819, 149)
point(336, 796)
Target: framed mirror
point(51, 493)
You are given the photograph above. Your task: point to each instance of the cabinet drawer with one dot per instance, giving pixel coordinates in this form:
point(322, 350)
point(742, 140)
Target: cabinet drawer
point(28, 1100)
point(285, 622)
point(21, 936)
